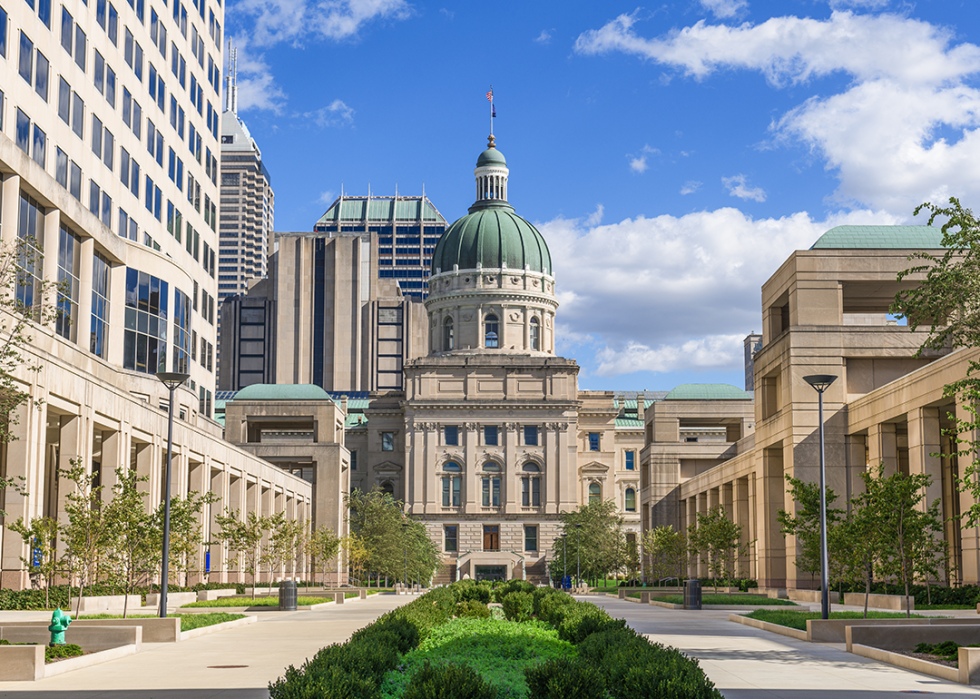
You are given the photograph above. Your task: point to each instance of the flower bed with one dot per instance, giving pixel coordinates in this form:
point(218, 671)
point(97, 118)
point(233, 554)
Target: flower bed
point(565, 648)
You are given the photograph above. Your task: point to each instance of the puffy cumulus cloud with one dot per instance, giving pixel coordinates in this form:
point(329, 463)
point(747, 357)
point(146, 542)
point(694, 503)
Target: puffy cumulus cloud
point(257, 88)
point(336, 114)
point(903, 131)
point(293, 21)
point(737, 186)
point(544, 37)
point(672, 293)
point(638, 161)
point(724, 8)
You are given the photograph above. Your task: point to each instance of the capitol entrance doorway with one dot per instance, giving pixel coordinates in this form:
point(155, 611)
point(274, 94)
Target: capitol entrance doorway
point(491, 572)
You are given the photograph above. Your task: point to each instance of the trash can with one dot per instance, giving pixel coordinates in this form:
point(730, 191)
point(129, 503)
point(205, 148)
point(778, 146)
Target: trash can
point(692, 594)
point(287, 596)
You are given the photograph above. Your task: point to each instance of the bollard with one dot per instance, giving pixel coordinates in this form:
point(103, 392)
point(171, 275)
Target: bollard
point(59, 624)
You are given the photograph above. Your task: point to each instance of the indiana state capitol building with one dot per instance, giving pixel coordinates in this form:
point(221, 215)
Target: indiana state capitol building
point(491, 438)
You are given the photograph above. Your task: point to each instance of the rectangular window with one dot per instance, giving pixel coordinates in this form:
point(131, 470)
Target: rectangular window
point(100, 10)
point(451, 538)
point(98, 342)
point(490, 435)
point(67, 29)
point(531, 435)
point(41, 69)
point(630, 460)
point(134, 177)
point(451, 435)
point(3, 33)
point(64, 100)
point(44, 12)
point(61, 167)
point(40, 147)
point(23, 135)
point(491, 491)
point(26, 65)
point(108, 149)
point(530, 538)
point(99, 74)
point(69, 247)
point(81, 44)
point(77, 115)
point(75, 180)
point(113, 25)
point(110, 86)
point(94, 197)
point(97, 136)
point(593, 441)
point(387, 441)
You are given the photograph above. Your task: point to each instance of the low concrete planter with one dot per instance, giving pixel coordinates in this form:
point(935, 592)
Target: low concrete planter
point(208, 595)
point(812, 596)
point(666, 605)
point(771, 592)
point(105, 603)
point(882, 644)
point(950, 674)
point(174, 599)
point(766, 626)
point(834, 630)
point(27, 662)
point(215, 628)
point(91, 638)
point(894, 603)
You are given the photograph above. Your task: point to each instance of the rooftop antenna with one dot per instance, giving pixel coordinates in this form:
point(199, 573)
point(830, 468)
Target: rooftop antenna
point(231, 82)
point(493, 113)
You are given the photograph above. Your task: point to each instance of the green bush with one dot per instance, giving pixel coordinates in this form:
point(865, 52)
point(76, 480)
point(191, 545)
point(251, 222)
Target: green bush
point(518, 606)
point(506, 588)
point(470, 590)
point(563, 678)
point(472, 608)
point(68, 650)
point(448, 682)
point(552, 608)
point(541, 594)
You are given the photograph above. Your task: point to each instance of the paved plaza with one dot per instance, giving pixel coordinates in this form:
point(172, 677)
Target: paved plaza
point(742, 661)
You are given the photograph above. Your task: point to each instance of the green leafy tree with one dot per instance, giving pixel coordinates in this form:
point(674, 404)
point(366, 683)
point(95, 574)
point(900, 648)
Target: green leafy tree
point(88, 534)
point(716, 537)
point(135, 536)
point(186, 531)
point(377, 519)
point(947, 301)
point(599, 527)
point(280, 548)
point(632, 556)
point(244, 538)
point(424, 555)
point(356, 553)
point(40, 536)
point(322, 547)
point(805, 523)
point(667, 551)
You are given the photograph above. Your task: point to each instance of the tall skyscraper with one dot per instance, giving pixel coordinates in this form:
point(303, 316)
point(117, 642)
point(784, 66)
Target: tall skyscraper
point(408, 229)
point(247, 200)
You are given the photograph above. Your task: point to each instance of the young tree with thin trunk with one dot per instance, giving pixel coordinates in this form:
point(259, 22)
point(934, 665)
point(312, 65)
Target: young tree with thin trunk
point(40, 535)
point(357, 555)
point(717, 537)
point(804, 524)
point(322, 547)
point(244, 538)
point(88, 534)
point(135, 542)
point(667, 550)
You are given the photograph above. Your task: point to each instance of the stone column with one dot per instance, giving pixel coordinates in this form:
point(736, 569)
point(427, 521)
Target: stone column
point(218, 486)
point(969, 536)
point(883, 447)
point(82, 323)
point(18, 504)
point(924, 441)
point(471, 494)
point(9, 208)
point(740, 515)
point(49, 246)
point(117, 314)
point(512, 473)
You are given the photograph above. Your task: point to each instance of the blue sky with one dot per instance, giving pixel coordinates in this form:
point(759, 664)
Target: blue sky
point(673, 155)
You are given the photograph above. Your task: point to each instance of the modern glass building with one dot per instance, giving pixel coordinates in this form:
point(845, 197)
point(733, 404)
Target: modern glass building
point(408, 229)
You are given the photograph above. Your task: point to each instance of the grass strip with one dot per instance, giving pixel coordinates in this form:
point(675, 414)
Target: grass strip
point(257, 602)
point(187, 621)
point(798, 619)
point(497, 649)
point(739, 600)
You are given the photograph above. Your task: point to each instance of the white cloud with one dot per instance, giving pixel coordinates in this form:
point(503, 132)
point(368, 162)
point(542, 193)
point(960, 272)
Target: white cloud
point(638, 161)
point(693, 283)
point(737, 187)
point(690, 187)
point(257, 88)
point(337, 113)
point(292, 21)
point(544, 37)
point(905, 130)
point(724, 8)
point(595, 218)
point(449, 13)
point(326, 198)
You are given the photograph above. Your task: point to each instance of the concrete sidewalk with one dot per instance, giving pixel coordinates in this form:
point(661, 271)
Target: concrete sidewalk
point(191, 669)
point(747, 663)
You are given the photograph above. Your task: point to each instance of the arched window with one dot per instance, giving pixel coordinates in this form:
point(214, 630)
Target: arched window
point(490, 330)
point(452, 466)
point(630, 500)
point(535, 334)
point(447, 335)
point(491, 466)
point(531, 467)
point(595, 493)
point(388, 488)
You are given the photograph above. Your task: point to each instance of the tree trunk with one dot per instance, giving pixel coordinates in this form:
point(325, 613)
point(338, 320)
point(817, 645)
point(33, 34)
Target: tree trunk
point(867, 590)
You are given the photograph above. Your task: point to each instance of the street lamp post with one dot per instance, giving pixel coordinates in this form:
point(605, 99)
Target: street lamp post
point(172, 380)
point(820, 383)
point(578, 555)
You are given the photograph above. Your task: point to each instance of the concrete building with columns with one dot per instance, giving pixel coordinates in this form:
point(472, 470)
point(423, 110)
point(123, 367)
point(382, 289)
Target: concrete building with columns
point(825, 311)
point(491, 439)
point(113, 177)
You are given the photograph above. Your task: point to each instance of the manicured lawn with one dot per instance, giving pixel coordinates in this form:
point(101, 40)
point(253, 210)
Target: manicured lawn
point(927, 607)
point(258, 602)
point(797, 620)
point(497, 649)
point(187, 621)
point(730, 600)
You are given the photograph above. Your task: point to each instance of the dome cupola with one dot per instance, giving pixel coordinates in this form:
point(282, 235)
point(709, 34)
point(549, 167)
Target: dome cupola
point(491, 287)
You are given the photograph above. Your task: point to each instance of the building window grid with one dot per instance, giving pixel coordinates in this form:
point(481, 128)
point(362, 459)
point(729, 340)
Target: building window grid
point(98, 343)
point(69, 252)
point(145, 346)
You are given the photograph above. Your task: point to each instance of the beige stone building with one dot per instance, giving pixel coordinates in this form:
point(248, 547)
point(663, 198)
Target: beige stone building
point(824, 312)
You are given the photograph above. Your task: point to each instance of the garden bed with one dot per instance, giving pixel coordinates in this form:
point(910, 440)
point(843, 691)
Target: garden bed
point(52, 654)
point(797, 619)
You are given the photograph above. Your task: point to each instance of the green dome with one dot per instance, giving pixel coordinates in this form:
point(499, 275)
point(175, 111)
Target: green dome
point(492, 235)
point(491, 156)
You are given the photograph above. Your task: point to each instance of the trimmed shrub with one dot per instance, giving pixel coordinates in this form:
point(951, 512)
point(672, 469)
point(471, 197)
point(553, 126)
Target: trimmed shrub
point(518, 606)
point(472, 608)
point(68, 650)
point(448, 682)
point(563, 678)
point(552, 608)
point(506, 588)
point(466, 590)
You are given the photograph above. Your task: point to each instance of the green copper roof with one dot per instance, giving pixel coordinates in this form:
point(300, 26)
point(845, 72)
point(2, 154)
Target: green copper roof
point(492, 235)
point(349, 210)
point(491, 156)
point(293, 391)
point(707, 391)
point(881, 238)
point(629, 423)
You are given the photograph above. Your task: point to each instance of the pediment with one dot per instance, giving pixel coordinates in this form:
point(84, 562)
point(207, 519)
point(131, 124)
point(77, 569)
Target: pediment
point(388, 467)
point(594, 468)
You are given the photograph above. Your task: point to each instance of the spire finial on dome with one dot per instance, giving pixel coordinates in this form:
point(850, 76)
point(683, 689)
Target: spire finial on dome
point(490, 142)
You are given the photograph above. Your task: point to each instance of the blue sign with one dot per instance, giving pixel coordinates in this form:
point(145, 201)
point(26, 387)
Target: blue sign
point(207, 561)
point(36, 558)
point(566, 582)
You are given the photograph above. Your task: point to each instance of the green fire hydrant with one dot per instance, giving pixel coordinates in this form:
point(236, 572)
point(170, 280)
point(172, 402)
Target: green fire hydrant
point(59, 623)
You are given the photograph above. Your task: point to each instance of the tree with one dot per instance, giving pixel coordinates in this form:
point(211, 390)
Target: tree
point(632, 555)
point(377, 519)
point(88, 534)
point(322, 546)
point(599, 526)
point(948, 302)
point(424, 555)
point(356, 553)
point(244, 538)
point(717, 537)
point(281, 546)
point(805, 524)
point(40, 536)
point(186, 531)
point(667, 551)
point(135, 536)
